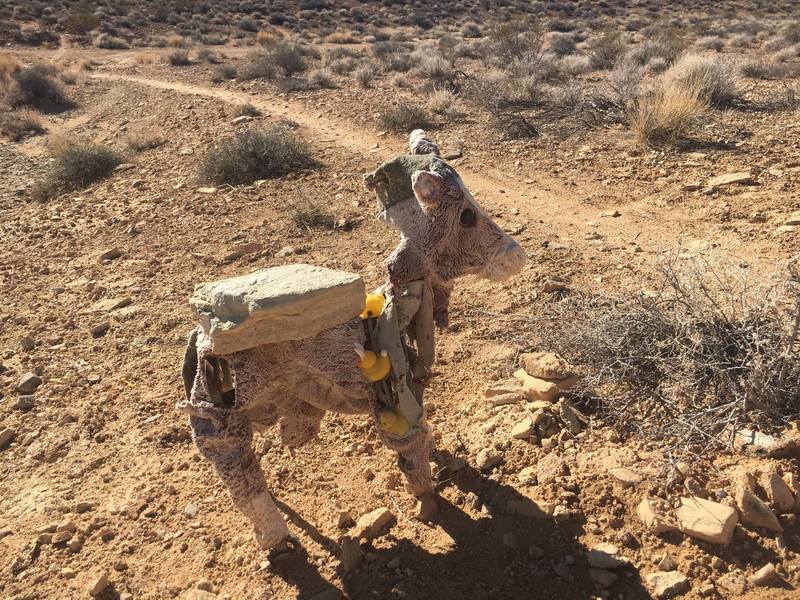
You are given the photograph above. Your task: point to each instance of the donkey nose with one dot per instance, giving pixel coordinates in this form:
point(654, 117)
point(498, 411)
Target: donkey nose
point(514, 257)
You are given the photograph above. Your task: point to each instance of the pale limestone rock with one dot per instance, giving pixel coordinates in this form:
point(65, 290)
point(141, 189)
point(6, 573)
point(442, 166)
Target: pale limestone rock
point(503, 387)
point(528, 507)
point(528, 475)
point(779, 494)
point(536, 389)
point(605, 556)
point(98, 581)
point(522, 429)
point(742, 178)
point(278, 304)
point(550, 467)
point(667, 584)
point(372, 524)
point(755, 512)
point(765, 576)
point(626, 477)
point(652, 518)
point(488, 458)
point(706, 520)
point(545, 365)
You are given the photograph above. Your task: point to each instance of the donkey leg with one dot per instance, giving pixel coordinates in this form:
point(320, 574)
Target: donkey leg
point(228, 447)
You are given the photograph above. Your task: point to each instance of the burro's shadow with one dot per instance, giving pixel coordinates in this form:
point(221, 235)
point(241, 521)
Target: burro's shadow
point(509, 551)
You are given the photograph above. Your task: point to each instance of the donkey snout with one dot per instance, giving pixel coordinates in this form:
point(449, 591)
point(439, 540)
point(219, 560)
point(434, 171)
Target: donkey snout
point(507, 262)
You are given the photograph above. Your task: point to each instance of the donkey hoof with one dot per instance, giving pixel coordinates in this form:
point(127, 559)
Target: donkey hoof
point(426, 507)
point(285, 549)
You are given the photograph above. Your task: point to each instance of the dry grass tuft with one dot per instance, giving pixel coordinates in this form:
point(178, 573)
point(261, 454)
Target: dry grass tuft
point(75, 167)
point(404, 118)
point(18, 125)
point(713, 80)
point(665, 114)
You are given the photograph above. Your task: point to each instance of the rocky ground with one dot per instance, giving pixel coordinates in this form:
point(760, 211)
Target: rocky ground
point(105, 494)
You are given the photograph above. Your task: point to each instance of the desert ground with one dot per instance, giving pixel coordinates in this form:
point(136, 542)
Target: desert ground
point(646, 155)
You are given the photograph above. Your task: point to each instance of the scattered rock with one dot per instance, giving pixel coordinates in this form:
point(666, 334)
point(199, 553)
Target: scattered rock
point(755, 512)
point(522, 429)
point(528, 507)
point(27, 343)
point(528, 475)
point(604, 556)
point(98, 581)
point(124, 167)
point(191, 510)
point(195, 594)
point(25, 403)
point(243, 250)
point(550, 287)
point(207, 190)
point(29, 383)
point(691, 187)
point(611, 213)
point(351, 555)
point(110, 254)
point(760, 444)
point(550, 467)
point(68, 573)
point(667, 563)
point(741, 178)
point(345, 520)
point(570, 416)
point(545, 365)
point(488, 458)
point(733, 582)
point(100, 329)
point(667, 584)
point(778, 493)
point(706, 520)
point(652, 518)
point(536, 389)
point(372, 524)
point(503, 387)
point(626, 477)
point(765, 576)
point(242, 119)
point(602, 577)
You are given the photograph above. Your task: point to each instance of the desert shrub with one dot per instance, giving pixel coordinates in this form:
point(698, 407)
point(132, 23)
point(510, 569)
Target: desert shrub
point(246, 110)
point(222, 73)
point(575, 64)
point(342, 66)
point(708, 352)
point(401, 80)
point(342, 37)
point(761, 68)
point(364, 75)
point(288, 58)
point(259, 65)
point(710, 42)
point(398, 63)
point(309, 214)
point(665, 42)
point(35, 87)
point(560, 44)
point(471, 30)
point(515, 40)
point(322, 78)
point(714, 81)
point(280, 57)
point(787, 54)
point(18, 125)
point(178, 57)
point(9, 66)
point(606, 49)
point(791, 32)
point(404, 118)
point(75, 167)
point(109, 42)
point(436, 71)
point(256, 154)
point(143, 58)
point(665, 114)
point(81, 21)
point(445, 103)
point(177, 41)
point(741, 40)
point(207, 55)
point(657, 64)
point(248, 24)
point(142, 138)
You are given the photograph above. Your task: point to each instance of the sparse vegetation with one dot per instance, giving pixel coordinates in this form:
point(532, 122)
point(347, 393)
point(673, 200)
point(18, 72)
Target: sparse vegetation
point(322, 78)
point(18, 125)
point(256, 154)
point(246, 110)
point(143, 138)
point(606, 50)
point(309, 214)
point(404, 117)
point(222, 73)
point(34, 87)
point(712, 80)
point(76, 166)
point(178, 58)
point(364, 75)
point(666, 114)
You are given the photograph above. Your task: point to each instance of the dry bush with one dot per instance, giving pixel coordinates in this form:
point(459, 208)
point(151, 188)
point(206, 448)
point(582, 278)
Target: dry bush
point(208, 55)
point(709, 351)
point(437, 71)
point(308, 214)
point(665, 42)
point(471, 30)
point(741, 40)
point(35, 87)
point(280, 57)
point(143, 138)
point(81, 21)
point(560, 44)
point(666, 113)
point(365, 74)
point(222, 73)
point(762, 68)
point(9, 66)
point(575, 64)
point(177, 41)
point(404, 118)
point(19, 124)
point(710, 42)
point(322, 78)
point(110, 42)
point(342, 37)
point(288, 58)
point(401, 80)
point(714, 81)
point(246, 110)
point(788, 54)
point(516, 40)
point(445, 102)
point(143, 58)
point(256, 154)
point(178, 58)
point(75, 167)
point(606, 50)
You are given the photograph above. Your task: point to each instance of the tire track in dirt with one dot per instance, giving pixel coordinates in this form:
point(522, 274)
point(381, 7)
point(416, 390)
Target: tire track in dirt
point(551, 204)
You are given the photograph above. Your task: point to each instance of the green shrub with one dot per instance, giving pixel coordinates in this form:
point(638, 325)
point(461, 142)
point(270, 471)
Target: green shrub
point(75, 167)
point(404, 118)
point(256, 154)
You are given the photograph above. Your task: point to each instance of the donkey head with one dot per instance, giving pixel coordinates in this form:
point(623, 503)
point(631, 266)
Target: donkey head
point(445, 234)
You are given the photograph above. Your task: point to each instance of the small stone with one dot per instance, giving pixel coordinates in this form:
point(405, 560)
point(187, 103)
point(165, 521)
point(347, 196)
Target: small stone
point(372, 524)
point(242, 119)
point(503, 387)
point(527, 475)
point(611, 213)
point(100, 329)
point(6, 435)
point(191, 510)
point(488, 458)
point(762, 444)
point(345, 520)
point(733, 582)
point(61, 537)
point(602, 577)
point(742, 178)
point(67, 573)
point(626, 477)
point(351, 555)
point(207, 190)
point(706, 520)
point(195, 594)
point(550, 287)
point(110, 254)
point(667, 563)
point(24, 403)
point(604, 556)
point(27, 343)
point(755, 512)
point(778, 493)
point(667, 585)
point(426, 507)
point(570, 416)
point(522, 429)
point(550, 467)
point(652, 518)
point(691, 187)
point(83, 506)
point(205, 585)
point(528, 507)
point(765, 576)
point(98, 582)
point(545, 365)
point(535, 388)
point(29, 383)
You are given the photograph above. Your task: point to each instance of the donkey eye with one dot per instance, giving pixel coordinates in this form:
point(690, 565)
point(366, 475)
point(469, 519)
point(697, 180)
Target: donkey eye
point(468, 217)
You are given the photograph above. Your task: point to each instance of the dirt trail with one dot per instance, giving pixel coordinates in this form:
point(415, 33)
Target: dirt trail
point(552, 201)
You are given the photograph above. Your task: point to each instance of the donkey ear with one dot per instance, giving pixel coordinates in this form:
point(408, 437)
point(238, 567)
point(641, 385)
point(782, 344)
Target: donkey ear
point(429, 188)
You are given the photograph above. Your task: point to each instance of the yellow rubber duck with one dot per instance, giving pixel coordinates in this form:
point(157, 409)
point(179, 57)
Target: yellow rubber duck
point(393, 422)
point(373, 306)
point(374, 366)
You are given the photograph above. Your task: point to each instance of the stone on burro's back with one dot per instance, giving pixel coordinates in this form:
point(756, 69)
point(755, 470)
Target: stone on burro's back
point(706, 520)
point(279, 304)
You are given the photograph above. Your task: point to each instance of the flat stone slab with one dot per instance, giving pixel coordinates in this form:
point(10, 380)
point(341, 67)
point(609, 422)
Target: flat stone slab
point(278, 304)
point(706, 520)
point(741, 178)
